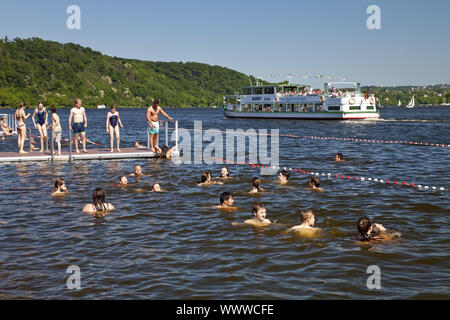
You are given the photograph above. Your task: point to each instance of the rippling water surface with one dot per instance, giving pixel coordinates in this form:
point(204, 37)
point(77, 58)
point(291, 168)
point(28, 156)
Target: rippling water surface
point(174, 245)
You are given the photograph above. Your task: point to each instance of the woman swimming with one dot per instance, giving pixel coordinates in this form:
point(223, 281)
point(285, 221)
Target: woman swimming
point(99, 207)
point(256, 186)
point(112, 127)
point(60, 187)
point(41, 123)
point(224, 173)
point(21, 118)
point(370, 231)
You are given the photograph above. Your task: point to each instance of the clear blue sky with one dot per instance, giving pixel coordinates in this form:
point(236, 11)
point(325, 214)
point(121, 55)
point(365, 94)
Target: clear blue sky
point(256, 37)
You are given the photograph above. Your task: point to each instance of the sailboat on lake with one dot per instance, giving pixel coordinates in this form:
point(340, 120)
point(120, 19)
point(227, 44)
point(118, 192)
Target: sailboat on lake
point(411, 104)
point(399, 103)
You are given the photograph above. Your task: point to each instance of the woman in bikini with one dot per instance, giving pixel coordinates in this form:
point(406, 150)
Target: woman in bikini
point(21, 118)
point(112, 126)
point(41, 123)
point(99, 207)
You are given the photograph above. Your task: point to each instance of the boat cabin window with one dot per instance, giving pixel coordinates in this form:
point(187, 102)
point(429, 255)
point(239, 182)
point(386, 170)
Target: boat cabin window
point(247, 91)
point(334, 108)
point(269, 90)
point(257, 90)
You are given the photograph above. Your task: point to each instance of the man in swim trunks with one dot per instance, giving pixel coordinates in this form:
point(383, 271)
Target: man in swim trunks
point(79, 124)
point(152, 119)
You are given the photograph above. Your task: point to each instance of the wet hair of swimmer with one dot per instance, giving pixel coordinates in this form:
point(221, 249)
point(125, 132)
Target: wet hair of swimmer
point(225, 196)
point(315, 181)
point(99, 199)
point(164, 151)
point(285, 173)
point(257, 206)
point(53, 109)
point(205, 176)
point(306, 214)
point(256, 182)
point(340, 156)
point(364, 226)
point(58, 183)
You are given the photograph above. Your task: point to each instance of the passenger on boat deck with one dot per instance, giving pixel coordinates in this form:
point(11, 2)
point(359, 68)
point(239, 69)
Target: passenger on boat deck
point(283, 177)
point(206, 180)
point(123, 181)
point(256, 186)
point(99, 207)
point(259, 212)
point(315, 183)
point(308, 220)
point(137, 171)
point(156, 188)
point(370, 231)
point(339, 157)
point(224, 173)
point(226, 200)
point(60, 187)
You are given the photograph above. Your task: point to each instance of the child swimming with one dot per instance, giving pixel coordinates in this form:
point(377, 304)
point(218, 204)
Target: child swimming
point(256, 186)
point(369, 231)
point(308, 219)
point(283, 177)
point(226, 201)
point(259, 212)
point(60, 187)
point(314, 183)
point(99, 207)
point(339, 157)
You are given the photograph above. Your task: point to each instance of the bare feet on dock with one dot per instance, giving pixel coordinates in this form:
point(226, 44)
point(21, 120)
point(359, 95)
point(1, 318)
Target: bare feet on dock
point(22, 152)
point(85, 151)
point(42, 150)
point(111, 150)
point(78, 151)
point(118, 150)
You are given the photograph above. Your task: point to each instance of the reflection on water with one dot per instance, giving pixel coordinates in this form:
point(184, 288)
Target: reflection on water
point(175, 244)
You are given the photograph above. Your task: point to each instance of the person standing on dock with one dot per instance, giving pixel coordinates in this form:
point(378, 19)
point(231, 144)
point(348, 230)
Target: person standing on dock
point(21, 118)
point(79, 124)
point(56, 129)
point(112, 126)
point(152, 119)
point(41, 123)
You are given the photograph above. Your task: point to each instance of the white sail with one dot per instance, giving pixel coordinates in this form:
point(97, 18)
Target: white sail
point(411, 104)
point(399, 103)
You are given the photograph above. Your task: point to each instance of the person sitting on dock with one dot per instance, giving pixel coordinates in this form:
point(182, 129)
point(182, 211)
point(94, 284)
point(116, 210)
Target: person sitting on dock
point(339, 157)
point(7, 131)
point(138, 145)
point(112, 127)
point(56, 128)
point(60, 187)
point(308, 220)
point(259, 212)
point(21, 119)
point(256, 186)
point(41, 124)
point(314, 183)
point(283, 177)
point(152, 119)
point(79, 124)
point(226, 201)
point(99, 207)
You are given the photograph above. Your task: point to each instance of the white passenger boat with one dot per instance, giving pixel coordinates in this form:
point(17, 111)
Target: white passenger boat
point(301, 102)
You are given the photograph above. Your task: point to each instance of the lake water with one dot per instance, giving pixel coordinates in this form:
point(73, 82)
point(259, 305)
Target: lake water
point(174, 245)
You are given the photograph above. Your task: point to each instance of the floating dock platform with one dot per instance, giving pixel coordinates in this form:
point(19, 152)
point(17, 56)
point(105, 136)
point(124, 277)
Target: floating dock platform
point(92, 154)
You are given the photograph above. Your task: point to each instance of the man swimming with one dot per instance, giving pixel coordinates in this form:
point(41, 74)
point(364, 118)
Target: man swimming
point(314, 183)
point(308, 220)
point(79, 124)
point(137, 171)
point(152, 119)
point(259, 212)
point(226, 201)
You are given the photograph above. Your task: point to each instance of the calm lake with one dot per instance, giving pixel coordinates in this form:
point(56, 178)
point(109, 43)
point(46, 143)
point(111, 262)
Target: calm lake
point(175, 245)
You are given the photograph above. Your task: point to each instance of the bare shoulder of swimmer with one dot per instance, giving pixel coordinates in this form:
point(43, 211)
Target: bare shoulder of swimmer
point(257, 223)
point(88, 208)
point(377, 227)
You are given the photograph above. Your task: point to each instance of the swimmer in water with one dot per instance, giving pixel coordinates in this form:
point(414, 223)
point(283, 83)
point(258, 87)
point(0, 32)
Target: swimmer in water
point(314, 183)
point(226, 201)
point(60, 187)
point(206, 180)
point(123, 181)
point(283, 177)
point(112, 127)
point(256, 186)
point(339, 157)
point(165, 152)
point(308, 220)
point(99, 207)
point(369, 231)
point(259, 213)
point(137, 171)
point(224, 173)
point(7, 131)
point(156, 188)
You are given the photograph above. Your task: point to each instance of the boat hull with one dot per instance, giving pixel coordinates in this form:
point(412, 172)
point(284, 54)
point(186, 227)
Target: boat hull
point(304, 115)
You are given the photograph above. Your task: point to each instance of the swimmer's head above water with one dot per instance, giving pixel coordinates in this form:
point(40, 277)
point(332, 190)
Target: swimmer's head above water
point(137, 170)
point(339, 157)
point(60, 186)
point(256, 184)
point(368, 230)
point(224, 173)
point(308, 218)
point(156, 188)
point(314, 182)
point(205, 178)
point(123, 180)
point(259, 211)
point(226, 199)
point(283, 176)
